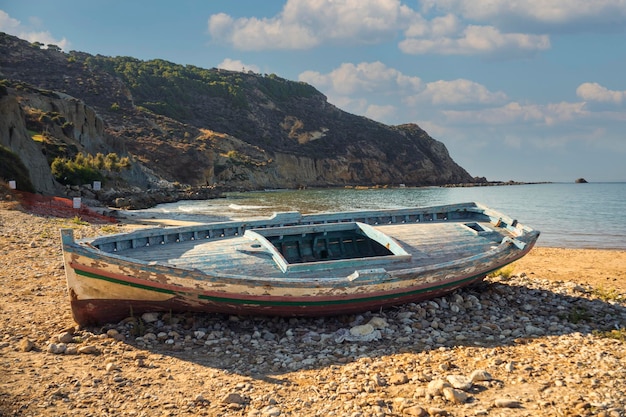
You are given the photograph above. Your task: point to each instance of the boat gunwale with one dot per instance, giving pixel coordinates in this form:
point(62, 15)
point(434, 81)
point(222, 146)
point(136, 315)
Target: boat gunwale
point(295, 218)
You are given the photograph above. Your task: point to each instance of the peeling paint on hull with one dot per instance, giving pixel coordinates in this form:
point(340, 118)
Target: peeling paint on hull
point(93, 312)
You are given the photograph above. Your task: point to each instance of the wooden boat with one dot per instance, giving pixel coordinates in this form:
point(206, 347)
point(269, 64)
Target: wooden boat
point(291, 264)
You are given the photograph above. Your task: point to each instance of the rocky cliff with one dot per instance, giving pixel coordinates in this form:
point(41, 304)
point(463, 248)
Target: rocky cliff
point(15, 137)
point(183, 124)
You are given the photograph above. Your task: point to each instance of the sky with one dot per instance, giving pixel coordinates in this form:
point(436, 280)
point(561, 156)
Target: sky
point(517, 90)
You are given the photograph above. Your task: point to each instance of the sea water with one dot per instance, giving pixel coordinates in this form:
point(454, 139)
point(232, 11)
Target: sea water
point(569, 215)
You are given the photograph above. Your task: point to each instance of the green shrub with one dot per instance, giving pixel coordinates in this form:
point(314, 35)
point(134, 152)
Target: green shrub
point(86, 168)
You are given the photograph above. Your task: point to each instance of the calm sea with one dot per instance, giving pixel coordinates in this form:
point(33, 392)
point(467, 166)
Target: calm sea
point(572, 215)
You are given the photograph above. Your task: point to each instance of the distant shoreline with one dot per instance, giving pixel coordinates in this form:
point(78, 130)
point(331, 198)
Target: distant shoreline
point(495, 184)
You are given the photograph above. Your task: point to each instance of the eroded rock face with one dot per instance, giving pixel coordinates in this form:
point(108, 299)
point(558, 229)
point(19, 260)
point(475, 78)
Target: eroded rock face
point(15, 137)
point(82, 124)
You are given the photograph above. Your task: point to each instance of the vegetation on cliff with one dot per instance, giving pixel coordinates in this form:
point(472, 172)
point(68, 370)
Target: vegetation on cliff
point(87, 168)
point(167, 88)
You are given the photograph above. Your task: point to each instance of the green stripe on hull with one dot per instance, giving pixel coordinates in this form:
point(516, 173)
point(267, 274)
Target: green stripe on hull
point(121, 282)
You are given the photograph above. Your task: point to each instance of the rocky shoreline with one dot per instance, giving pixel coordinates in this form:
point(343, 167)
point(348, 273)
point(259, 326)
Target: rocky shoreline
point(519, 344)
point(136, 198)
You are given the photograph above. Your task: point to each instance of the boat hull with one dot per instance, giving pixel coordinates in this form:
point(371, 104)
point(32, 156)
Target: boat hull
point(106, 287)
point(98, 311)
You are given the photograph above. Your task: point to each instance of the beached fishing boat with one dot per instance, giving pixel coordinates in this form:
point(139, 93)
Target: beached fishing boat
point(291, 264)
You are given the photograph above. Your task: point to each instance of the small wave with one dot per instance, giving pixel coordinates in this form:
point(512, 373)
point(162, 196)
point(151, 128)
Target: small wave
point(246, 207)
point(190, 209)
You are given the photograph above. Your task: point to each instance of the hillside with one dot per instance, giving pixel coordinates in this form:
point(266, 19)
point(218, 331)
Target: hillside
point(175, 124)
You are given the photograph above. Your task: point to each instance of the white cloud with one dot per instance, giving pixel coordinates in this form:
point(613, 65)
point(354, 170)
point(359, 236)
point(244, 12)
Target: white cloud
point(440, 26)
point(449, 27)
point(7, 23)
point(516, 113)
point(376, 112)
point(476, 40)
point(366, 77)
point(259, 34)
point(553, 12)
point(596, 92)
point(15, 27)
point(237, 65)
point(376, 90)
point(460, 92)
point(304, 24)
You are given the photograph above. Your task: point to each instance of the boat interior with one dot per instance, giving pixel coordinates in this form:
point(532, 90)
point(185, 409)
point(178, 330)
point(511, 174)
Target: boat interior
point(308, 246)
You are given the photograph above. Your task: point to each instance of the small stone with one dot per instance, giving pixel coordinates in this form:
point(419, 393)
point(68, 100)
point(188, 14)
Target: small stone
point(419, 392)
point(65, 337)
point(150, 317)
point(534, 330)
point(379, 380)
point(110, 367)
point(583, 405)
point(362, 330)
point(271, 411)
point(460, 382)
point(415, 411)
point(437, 412)
point(398, 379)
point(507, 403)
point(71, 350)
point(233, 398)
point(436, 386)
point(200, 399)
point(88, 350)
point(26, 345)
point(454, 395)
point(57, 348)
point(480, 375)
point(378, 323)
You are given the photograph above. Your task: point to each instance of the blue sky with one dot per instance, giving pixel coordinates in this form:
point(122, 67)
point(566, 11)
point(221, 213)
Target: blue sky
point(517, 90)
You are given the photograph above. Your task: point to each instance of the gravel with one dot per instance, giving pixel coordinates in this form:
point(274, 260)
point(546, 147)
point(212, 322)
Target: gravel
point(517, 345)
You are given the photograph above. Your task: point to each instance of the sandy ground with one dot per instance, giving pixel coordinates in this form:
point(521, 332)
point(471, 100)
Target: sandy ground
point(598, 268)
point(117, 380)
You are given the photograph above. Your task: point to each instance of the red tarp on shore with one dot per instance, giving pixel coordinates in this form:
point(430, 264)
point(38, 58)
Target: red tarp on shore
point(60, 207)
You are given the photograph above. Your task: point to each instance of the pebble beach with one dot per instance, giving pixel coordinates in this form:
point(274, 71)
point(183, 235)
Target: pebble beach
point(546, 337)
